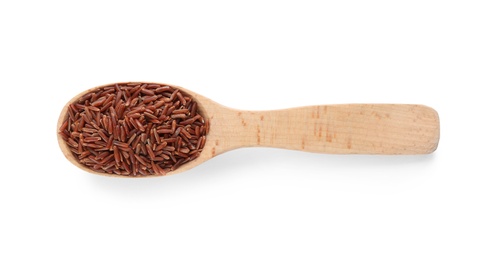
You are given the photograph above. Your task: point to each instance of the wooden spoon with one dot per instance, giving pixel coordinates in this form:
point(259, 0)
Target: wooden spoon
point(334, 129)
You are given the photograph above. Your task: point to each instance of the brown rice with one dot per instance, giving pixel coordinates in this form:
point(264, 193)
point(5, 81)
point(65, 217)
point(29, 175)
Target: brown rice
point(134, 129)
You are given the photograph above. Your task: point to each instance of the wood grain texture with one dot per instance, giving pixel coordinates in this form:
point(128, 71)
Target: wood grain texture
point(335, 129)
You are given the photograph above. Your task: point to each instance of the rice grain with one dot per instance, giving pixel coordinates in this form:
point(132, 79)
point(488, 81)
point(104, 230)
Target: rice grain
point(134, 129)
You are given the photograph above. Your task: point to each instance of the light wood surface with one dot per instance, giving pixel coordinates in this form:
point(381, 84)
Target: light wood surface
point(335, 129)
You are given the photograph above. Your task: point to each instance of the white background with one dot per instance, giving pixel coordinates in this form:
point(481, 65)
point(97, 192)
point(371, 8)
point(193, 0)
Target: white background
point(250, 203)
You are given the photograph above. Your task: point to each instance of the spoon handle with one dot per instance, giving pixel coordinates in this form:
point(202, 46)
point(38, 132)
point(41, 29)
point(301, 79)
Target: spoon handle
point(336, 129)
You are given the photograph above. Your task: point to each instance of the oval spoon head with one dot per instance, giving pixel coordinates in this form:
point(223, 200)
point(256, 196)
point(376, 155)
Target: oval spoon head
point(205, 105)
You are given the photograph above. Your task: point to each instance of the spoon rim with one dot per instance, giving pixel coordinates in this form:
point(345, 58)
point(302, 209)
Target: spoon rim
point(184, 167)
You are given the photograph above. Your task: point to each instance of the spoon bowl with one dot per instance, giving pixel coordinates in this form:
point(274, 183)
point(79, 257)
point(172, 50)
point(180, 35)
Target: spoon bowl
point(390, 129)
